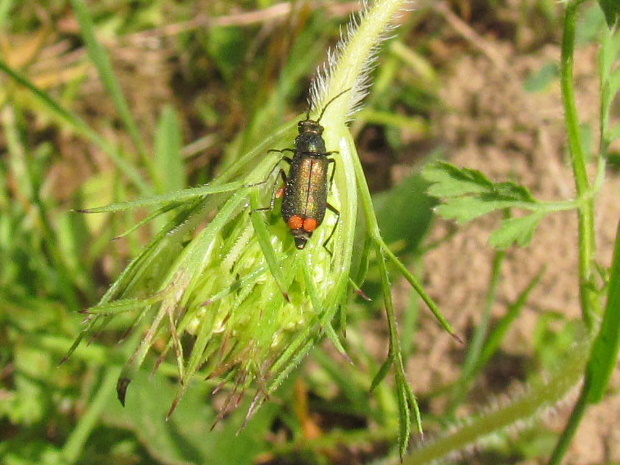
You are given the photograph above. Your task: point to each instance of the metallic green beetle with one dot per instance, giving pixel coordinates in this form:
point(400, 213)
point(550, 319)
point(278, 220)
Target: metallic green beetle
point(307, 184)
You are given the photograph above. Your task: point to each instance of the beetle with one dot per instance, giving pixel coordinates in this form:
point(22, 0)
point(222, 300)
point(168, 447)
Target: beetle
point(307, 185)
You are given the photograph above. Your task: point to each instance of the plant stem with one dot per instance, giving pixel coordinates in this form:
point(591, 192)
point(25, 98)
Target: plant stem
point(561, 448)
point(74, 446)
point(541, 395)
point(590, 302)
point(587, 244)
point(472, 362)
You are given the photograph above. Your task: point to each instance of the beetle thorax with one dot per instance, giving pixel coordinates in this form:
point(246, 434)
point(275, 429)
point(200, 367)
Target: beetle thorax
point(309, 126)
point(310, 143)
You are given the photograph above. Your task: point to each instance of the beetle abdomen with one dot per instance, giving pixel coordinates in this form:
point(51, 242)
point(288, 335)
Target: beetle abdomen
point(305, 195)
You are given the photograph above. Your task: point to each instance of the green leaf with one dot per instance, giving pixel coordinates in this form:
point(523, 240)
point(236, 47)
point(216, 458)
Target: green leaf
point(543, 78)
point(591, 22)
point(611, 8)
point(614, 77)
point(225, 46)
point(465, 209)
point(469, 194)
point(100, 58)
point(450, 181)
point(512, 191)
point(519, 230)
point(168, 198)
point(404, 413)
point(123, 305)
point(417, 285)
point(187, 436)
point(614, 133)
point(609, 54)
point(381, 374)
point(169, 167)
point(405, 212)
point(604, 354)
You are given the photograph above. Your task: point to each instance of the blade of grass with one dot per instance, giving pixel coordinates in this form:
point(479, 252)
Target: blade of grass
point(30, 186)
point(476, 346)
point(607, 343)
point(170, 171)
point(80, 126)
point(406, 399)
point(166, 199)
point(100, 58)
point(496, 337)
point(375, 234)
point(5, 9)
point(421, 292)
point(76, 442)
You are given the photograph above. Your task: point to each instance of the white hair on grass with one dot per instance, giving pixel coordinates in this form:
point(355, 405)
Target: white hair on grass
point(319, 89)
point(515, 393)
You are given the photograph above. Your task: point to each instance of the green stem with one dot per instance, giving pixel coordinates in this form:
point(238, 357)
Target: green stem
point(80, 126)
point(375, 234)
point(561, 448)
point(590, 302)
point(476, 346)
point(75, 443)
point(74, 446)
point(587, 244)
point(540, 396)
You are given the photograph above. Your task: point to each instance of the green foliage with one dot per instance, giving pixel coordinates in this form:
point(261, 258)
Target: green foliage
point(611, 10)
point(186, 437)
point(609, 70)
point(55, 262)
point(101, 60)
point(450, 181)
point(170, 172)
point(543, 78)
point(225, 46)
point(405, 214)
point(469, 194)
point(606, 346)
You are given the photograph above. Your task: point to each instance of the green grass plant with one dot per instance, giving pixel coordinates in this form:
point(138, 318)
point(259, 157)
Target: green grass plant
point(136, 272)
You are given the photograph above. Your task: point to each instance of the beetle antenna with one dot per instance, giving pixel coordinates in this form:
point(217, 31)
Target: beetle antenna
point(328, 103)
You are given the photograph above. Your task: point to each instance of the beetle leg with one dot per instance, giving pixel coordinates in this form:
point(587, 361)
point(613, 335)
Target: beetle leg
point(281, 151)
point(264, 181)
point(276, 194)
point(331, 178)
point(333, 209)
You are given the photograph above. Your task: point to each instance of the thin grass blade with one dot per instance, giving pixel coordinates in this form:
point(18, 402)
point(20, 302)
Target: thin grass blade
point(100, 58)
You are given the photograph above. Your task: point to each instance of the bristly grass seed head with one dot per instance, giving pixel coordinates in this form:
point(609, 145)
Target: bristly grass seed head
point(225, 276)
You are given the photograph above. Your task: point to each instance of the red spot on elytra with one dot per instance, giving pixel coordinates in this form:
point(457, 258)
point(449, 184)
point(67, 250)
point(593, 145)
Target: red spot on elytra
point(310, 224)
point(295, 222)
